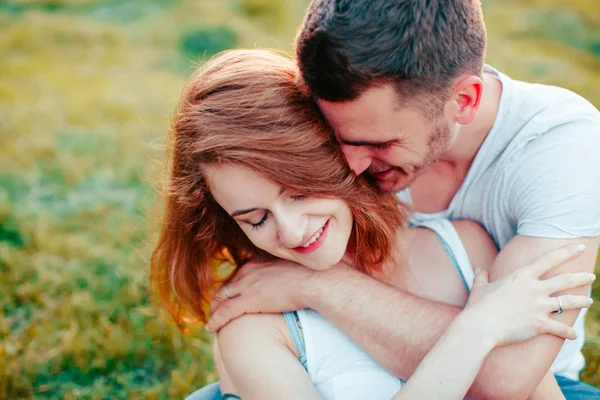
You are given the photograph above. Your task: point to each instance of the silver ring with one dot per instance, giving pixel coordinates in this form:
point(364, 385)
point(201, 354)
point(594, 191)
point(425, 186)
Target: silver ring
point(560, 309)
point(229, 296)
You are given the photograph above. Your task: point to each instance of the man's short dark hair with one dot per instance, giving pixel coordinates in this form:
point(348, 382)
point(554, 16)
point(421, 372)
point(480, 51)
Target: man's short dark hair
point(420, 46)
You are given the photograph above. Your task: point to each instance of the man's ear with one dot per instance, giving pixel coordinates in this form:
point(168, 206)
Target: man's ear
point(467, 95)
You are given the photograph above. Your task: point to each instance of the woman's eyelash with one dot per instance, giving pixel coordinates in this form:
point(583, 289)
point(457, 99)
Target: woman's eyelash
point(298, 197)
point(259, 223)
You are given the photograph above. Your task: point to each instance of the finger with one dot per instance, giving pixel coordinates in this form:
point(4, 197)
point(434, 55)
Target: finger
point(567, 281)
point(556, 257)
point(218, 298)
point(228, 291)
point(481, 278)
point(569, 302)
point(215, 303)
point(559, 329)
point(227, 311)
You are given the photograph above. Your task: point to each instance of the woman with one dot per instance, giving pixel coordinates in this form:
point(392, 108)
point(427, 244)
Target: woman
point(255, 175)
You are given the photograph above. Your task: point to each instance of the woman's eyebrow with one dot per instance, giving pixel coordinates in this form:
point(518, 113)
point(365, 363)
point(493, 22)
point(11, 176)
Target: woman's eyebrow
point(242, 212)
point(249, 210)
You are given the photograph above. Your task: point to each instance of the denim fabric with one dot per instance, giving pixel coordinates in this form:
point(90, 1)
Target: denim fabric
point(575, 390)
point(208, 392)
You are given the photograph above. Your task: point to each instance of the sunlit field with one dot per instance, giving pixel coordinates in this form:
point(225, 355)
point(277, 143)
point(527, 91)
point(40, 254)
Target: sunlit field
point(86, 92)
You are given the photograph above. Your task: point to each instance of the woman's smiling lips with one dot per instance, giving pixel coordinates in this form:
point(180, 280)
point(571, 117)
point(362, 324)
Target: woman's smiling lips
point(321, 233)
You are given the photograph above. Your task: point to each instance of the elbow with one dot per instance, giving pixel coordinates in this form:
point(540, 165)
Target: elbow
point(496, 394)
point(501, 387)
point(510, 391)
point(397, 364)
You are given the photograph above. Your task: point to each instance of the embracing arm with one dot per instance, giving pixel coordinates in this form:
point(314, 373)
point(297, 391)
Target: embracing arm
point(403, 328)
point(260, 364)
point(514, 308)
point(520, 367)
point(440, 375)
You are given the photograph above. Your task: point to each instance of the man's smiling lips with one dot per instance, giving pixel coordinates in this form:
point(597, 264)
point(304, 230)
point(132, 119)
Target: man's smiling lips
point(381, 175)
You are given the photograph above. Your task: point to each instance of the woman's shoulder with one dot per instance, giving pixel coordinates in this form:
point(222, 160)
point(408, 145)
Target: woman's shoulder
point(480, 246)
point(252, 329)
point(252, 324)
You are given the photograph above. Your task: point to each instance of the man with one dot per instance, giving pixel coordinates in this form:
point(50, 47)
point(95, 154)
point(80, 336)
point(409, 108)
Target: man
point(405, 90)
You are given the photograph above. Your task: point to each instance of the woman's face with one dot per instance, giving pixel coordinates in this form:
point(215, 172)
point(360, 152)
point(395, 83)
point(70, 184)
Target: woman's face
point(311, 231)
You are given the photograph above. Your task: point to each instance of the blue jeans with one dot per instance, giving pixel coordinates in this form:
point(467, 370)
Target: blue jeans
point(208, 392)
point(573, 390)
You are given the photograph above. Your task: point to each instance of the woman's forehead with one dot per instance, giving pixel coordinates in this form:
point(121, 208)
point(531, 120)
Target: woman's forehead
point(234, 187)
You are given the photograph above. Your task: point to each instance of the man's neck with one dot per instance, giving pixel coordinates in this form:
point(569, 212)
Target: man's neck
point(434, 190)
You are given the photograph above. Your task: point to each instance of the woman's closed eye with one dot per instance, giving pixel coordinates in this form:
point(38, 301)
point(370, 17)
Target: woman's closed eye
point(261, 222)
point(299, 197)
point(257, 225)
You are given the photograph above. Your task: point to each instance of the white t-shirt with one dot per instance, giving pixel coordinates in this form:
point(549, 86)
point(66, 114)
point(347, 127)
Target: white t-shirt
point(536, 174)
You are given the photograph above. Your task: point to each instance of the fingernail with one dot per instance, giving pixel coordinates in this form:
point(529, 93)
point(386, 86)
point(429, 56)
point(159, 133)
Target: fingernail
point(208, 327)
point(477, 270)
point(581, 247)
point(592, 277)
point(590, 301)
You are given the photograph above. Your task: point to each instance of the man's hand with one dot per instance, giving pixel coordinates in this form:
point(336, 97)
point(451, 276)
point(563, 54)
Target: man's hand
point(256, 288)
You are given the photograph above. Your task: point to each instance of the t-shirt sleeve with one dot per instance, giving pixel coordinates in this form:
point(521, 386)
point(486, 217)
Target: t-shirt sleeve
point(555, 187)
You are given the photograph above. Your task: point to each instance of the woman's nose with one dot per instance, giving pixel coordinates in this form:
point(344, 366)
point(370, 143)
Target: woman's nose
point(291, 229)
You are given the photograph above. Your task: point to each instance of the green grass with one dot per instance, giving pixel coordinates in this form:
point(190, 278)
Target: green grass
point(86, 92)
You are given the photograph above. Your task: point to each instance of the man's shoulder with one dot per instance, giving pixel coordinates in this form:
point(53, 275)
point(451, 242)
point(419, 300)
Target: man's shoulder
point(534, 112)
point(545, 106)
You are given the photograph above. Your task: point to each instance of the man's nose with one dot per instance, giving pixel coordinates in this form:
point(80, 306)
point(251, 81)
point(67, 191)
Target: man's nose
point(358, 159)
point(291, 229)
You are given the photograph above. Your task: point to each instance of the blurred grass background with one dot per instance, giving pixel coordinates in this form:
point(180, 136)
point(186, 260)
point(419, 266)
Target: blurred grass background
point(86, 92)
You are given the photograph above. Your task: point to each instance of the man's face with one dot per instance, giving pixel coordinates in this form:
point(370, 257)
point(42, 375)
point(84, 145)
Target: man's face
point(392, 145)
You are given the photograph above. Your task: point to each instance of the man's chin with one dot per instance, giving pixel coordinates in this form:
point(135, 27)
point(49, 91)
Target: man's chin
point(392, 185)
point(395, 181)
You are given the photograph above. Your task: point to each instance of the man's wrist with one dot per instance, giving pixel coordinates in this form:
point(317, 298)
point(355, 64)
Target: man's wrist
point(316, 289)
point(306, 291)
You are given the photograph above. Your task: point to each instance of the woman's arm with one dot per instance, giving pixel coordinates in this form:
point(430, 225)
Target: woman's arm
point(514, 308)
point(225, 382)
point(259, 361)
point(450, 368)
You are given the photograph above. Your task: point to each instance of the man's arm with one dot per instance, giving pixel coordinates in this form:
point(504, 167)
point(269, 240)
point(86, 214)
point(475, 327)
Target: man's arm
point(520, 367)
point(398, 329)
point(403, 328)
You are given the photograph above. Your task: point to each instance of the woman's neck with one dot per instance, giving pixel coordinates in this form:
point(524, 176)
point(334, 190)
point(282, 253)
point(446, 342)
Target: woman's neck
point(392, 271)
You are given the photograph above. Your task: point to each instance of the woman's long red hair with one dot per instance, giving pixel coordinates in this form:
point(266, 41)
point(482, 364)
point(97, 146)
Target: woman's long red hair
point(244, 107)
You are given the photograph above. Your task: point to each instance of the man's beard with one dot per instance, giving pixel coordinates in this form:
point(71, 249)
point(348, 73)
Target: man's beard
point(438, 143)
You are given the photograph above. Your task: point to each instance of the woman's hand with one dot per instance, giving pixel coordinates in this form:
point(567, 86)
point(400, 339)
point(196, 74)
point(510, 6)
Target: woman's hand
point(271, 287)
point(519, 305)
